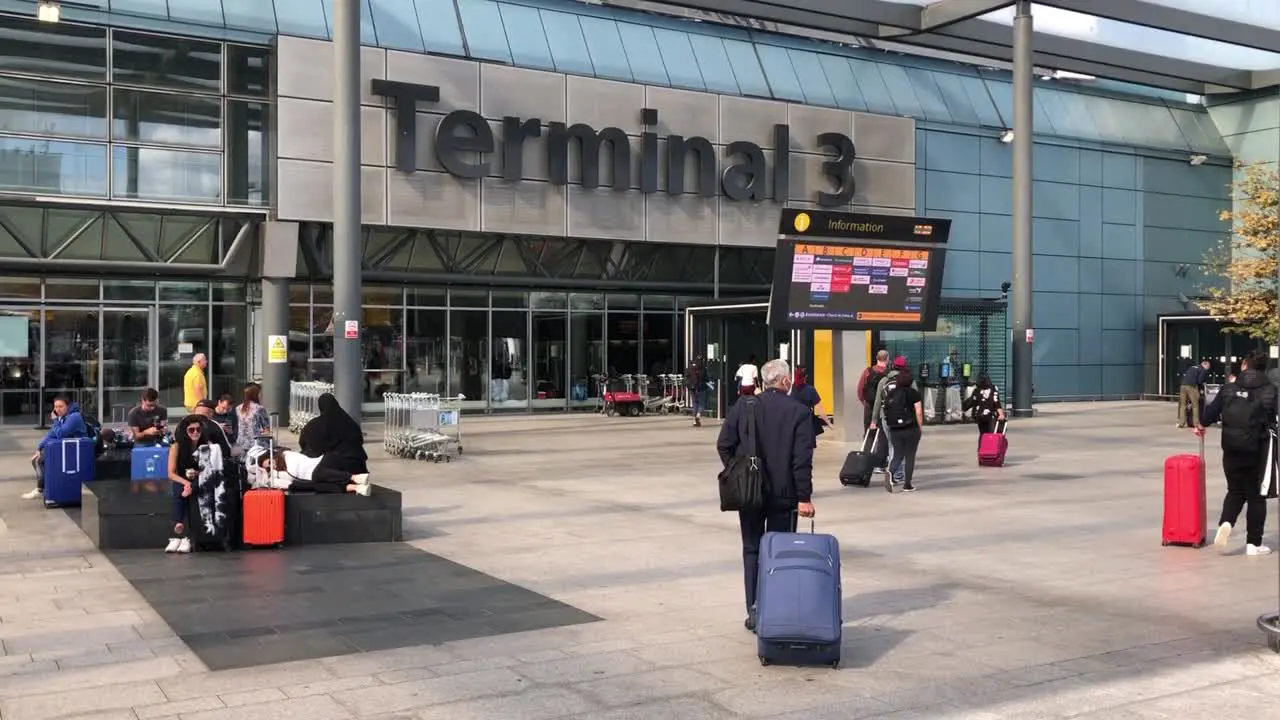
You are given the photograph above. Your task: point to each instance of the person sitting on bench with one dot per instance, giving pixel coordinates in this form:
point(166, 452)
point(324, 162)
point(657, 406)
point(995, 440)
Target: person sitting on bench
point(334, 438)
point(293, 471)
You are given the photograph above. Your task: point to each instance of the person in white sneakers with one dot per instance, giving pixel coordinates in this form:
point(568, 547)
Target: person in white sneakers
point(293, 471)
point(1246, 407)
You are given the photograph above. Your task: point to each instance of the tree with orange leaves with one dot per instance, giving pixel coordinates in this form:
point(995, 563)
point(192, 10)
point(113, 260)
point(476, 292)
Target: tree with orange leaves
point(1249, 260)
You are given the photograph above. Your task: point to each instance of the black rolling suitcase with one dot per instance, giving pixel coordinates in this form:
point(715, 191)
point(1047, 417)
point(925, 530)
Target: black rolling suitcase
point(861, 463)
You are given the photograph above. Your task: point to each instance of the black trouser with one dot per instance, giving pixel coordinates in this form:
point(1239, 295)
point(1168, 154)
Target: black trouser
point(906, 442)
point(986, 424)
point(1244, 488)
point(772, 518)
point(318, 486)
point(866, 417)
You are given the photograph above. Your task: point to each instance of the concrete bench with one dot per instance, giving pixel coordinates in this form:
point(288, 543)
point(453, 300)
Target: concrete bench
point(123, 515)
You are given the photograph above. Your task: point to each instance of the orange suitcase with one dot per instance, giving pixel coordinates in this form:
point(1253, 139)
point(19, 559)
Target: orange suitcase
point(263, 518)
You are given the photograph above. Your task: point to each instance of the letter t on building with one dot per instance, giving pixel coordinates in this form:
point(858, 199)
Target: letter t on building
point(407, 97)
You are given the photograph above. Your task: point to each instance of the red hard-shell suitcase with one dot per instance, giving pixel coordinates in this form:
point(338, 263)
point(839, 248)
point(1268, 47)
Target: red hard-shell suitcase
point(1184, 500)
point(263, 517)
point(993, 446)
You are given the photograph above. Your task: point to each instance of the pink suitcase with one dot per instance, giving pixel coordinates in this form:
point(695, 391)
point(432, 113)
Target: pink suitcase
point(992, 446)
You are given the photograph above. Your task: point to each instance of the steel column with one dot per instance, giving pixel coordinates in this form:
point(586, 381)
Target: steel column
point(1023, 137)
point(275, 321)
point(347, 250)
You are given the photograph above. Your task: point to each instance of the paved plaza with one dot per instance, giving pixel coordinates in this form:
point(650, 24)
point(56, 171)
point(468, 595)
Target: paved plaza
point(577, 567)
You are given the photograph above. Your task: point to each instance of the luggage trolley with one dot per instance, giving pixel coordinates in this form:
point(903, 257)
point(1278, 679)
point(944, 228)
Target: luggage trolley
point(423, 426)
point(304, 399)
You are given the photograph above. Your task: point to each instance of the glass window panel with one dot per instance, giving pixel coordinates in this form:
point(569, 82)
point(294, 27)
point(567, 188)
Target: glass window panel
point(1042, 121)
point(426, 297)
point(1069, 117)
point(678, 58)
point(381, 295)
point(955, 98)
point(874, 91)
point(844, 86)
point(167, 119)
point(469, 356)
point(53, 49)
point(980, 100)
point(605, 46)
point(50, 108)
point(248, 172)
point(132, 290)
point(368, 34)
point(659, 302)
point(65, 289)
point(930, 97)
point(468, 298)
point(166, 61)
point(1002, 97)
point(486, 37)
point(713, 62)
point(439, 22)
point(509, 368)
point(53, 167)
point(746, 68)
point(259, 15)
point(899, 85)
point(568, 46)
point(397, 24)
point(586, 353)
point(382, 352)
point(1109, 127)
point(179, 325)
point(643, 55)
point(229, 355)
point(1202, 135)
point(620, 301)
point(528, 46)
point(21, 288)
point(509, 299)
point(550, 363)
point(159, 174)
point(248, 70)
point(783, 83)
point(181, 291)
point(229, 292)
point(299, 293)
point(425, 350)
point(321, 333)
point(813, 81)
point(624, 344)
point(300, 17)
point(658, 331)
point(198, 11)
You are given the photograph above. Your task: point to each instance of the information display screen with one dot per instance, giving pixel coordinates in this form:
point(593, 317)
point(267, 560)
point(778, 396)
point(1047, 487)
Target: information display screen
point(864, 272)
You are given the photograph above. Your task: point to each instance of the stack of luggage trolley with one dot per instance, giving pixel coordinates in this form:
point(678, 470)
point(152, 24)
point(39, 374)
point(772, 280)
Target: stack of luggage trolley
point(423, 426)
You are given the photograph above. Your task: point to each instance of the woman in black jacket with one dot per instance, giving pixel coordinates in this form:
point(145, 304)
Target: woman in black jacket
point(335, 438)
point(985, 404)
point(804, 392)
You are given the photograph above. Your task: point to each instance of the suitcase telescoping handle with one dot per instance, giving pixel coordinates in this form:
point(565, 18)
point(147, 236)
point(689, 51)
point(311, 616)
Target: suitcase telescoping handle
point(66, 467)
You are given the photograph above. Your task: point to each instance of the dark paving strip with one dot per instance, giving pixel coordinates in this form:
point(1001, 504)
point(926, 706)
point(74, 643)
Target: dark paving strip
point(263, 607)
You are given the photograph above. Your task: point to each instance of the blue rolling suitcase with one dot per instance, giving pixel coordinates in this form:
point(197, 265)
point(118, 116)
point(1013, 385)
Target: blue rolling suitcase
point(67, 465)
point(149, 462)
point(799, 607)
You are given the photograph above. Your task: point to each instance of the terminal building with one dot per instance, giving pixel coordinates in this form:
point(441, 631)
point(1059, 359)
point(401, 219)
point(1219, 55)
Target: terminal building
point(575, 185)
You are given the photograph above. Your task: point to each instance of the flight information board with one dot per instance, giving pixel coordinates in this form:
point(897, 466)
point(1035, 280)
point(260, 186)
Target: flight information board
point(862, 272)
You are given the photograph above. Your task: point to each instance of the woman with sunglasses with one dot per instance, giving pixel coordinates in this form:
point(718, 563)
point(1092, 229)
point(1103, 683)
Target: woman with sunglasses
point(195, 467)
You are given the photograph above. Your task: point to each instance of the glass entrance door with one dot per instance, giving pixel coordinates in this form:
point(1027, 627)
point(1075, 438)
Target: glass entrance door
point(100, 358)
point(125, 362)
point(71, 350)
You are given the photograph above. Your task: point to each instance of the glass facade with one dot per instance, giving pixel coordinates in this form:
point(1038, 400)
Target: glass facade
point(97, 113)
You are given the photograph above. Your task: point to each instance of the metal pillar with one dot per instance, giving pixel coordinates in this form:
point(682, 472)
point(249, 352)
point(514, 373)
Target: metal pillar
point(1023, 72)
point(275, 321)
point(347, 250)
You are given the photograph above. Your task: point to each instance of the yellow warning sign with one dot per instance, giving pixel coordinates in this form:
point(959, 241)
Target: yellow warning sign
point(277, 349)
point(802, 222)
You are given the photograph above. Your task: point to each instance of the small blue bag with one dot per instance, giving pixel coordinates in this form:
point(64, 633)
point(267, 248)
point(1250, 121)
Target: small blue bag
point(148, 462)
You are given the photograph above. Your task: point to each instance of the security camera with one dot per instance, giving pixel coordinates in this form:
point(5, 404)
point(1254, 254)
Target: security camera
point(1005, 286)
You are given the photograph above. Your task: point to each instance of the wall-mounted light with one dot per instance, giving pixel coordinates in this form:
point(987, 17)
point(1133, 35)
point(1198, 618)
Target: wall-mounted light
point(1006, 136)
point(48, 11)
point(1197, 160)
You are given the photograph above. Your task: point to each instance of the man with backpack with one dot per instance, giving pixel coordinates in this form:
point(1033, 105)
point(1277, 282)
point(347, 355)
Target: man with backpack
point(884, 382)
point(1246, 407)
point(694, 383)
point(869, 383)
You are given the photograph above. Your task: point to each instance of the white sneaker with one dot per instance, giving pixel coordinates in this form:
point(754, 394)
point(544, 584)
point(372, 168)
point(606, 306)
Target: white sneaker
point(364, 490)
point(1257, 550)
point(360, 478)
point(184, 545)
point(32, 494)
point(172, 547)
point(1224, 534)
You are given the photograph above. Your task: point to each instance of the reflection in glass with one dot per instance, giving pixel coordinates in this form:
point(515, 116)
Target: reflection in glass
point(71, 359)
point(248, 70)
point(486, 37)
point(50, 108)
point(53, 167)
point(469, 356)
point(439, 23)
point(322, 332)
point(19, 363)
point(304, 18)
point(126, 346)
point(624, 344)
point(53, 49)
point(568, 46)
point(167, 119)
point(659, 347)
point(586, 356)
point(509, 372)
point(605, 45)
point(550, 358)
point(247, 176)
point(299, 342)
point(642, 54)
point(129, 290)
point(229, 356)
point(782, 75)
point(21, 288)
point(678, 57)
point(528, 48)
point(425, 350)
point(166, 61)
point(183, 332)
point(396, 23)
point(382, 352)
point(158, 174)
point(184, 291)
point(56, 289)
point(746, 68)
point(713, 62)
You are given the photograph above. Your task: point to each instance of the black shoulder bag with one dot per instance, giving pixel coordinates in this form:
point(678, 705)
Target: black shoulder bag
point(742, 482)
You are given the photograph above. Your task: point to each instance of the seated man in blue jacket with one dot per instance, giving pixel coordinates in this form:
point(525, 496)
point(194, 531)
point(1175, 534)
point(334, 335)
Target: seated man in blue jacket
point(67, 423)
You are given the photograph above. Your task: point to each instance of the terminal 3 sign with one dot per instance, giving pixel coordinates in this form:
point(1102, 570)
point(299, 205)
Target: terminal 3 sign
point(463, 136)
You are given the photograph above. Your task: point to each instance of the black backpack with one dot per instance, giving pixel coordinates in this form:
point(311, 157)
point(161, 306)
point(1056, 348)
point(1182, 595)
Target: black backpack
point(1244, 420)
point(869, 388)
point(899, 411)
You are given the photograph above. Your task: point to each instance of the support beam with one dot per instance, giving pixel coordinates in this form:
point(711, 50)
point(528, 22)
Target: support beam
point(1023, 137)
point(348, 373)
point(946, 12)
point(1177, 20)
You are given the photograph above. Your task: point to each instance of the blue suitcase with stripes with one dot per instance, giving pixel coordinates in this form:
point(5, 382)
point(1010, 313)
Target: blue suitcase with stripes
point(68, 464)
point(799, 605)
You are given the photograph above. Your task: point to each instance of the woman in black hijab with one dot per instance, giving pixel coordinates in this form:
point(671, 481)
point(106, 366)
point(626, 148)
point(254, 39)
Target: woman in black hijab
point(335, 438)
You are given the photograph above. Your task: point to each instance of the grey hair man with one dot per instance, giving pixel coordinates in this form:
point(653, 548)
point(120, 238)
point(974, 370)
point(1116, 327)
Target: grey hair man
point(783, 441)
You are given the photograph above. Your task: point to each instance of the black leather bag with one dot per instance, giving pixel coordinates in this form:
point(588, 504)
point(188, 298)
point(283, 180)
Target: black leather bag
point(742, 480)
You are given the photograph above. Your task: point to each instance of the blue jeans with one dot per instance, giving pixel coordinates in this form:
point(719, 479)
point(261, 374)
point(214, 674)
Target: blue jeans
point(695, 400)
point(180, 505)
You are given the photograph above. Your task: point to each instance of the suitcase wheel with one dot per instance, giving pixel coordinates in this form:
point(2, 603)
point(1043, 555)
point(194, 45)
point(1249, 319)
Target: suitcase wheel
point(1273, 642)
point(1164, 543)
point(764, 661)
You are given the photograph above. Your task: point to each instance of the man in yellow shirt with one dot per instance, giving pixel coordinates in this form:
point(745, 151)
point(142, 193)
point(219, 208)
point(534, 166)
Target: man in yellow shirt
point(194, 387)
